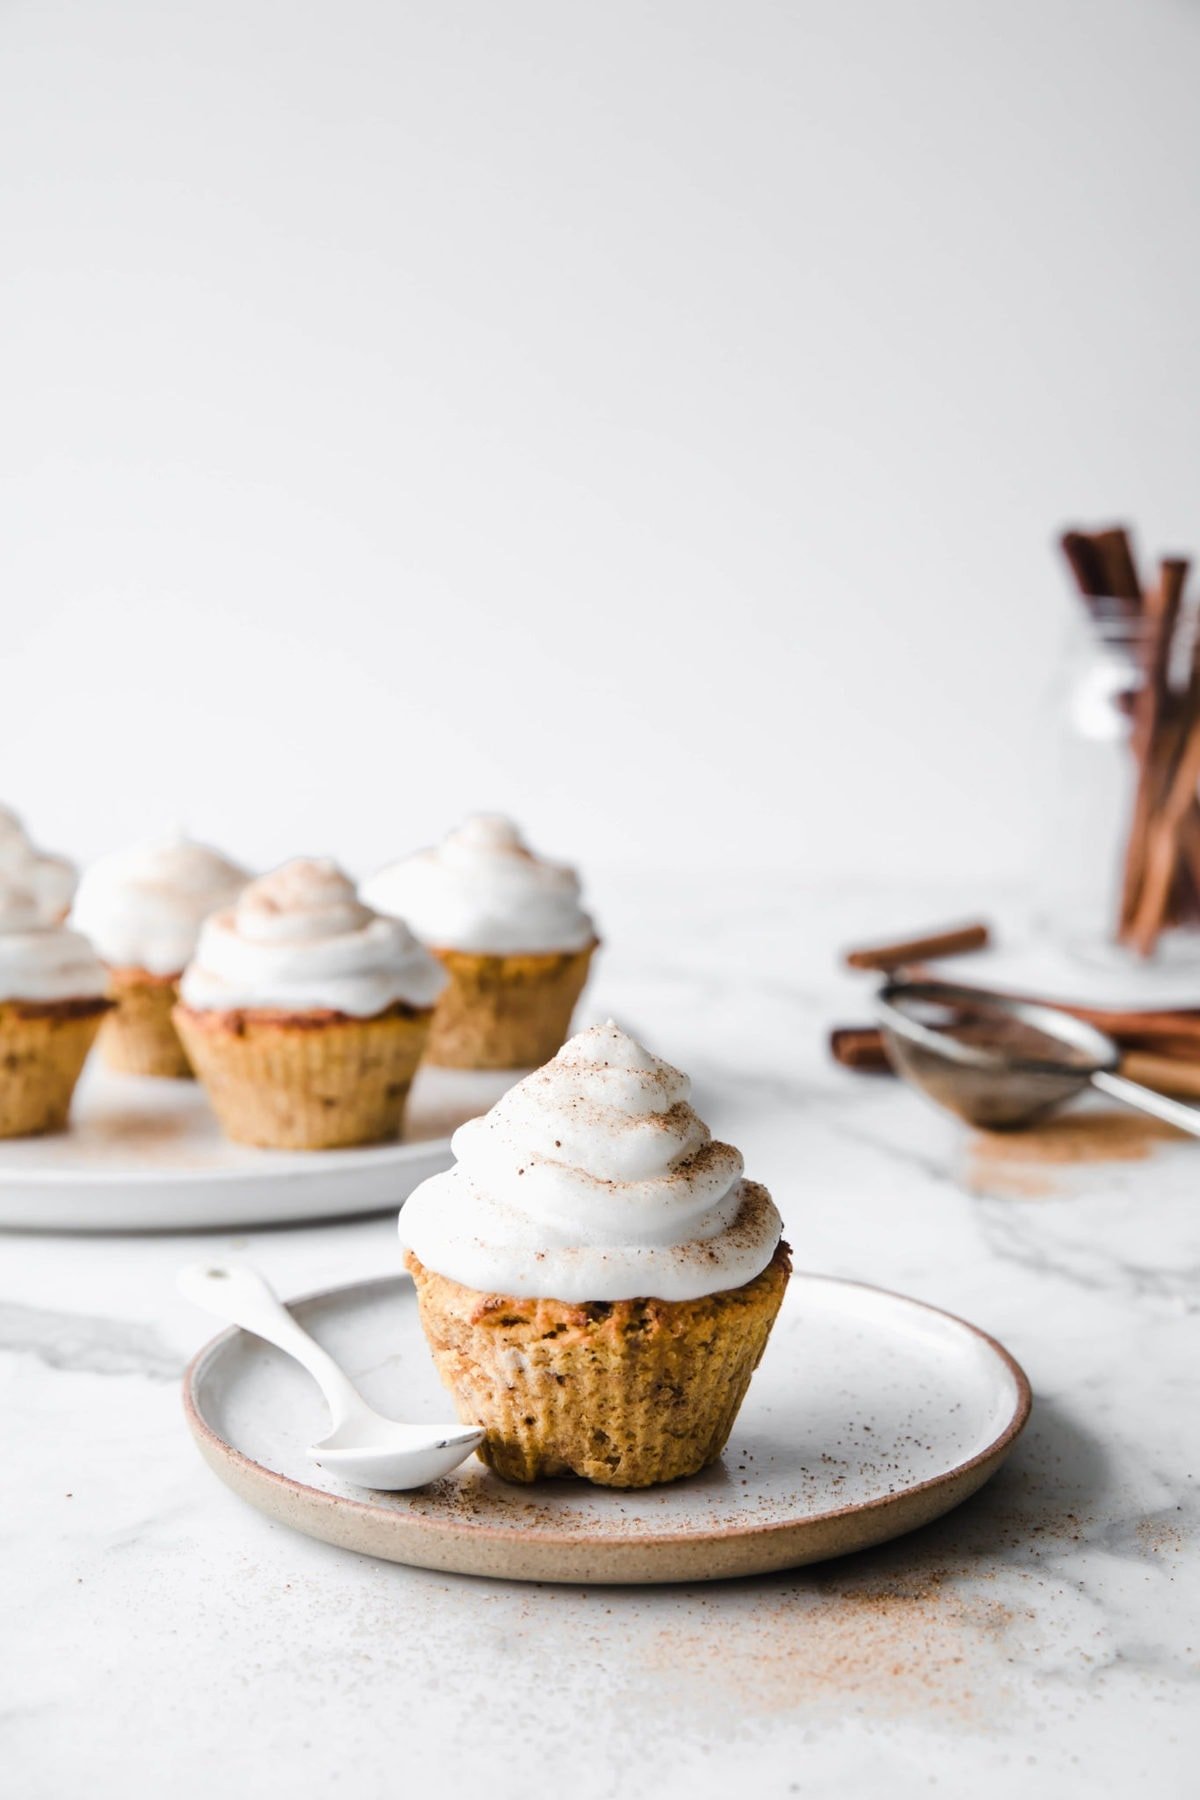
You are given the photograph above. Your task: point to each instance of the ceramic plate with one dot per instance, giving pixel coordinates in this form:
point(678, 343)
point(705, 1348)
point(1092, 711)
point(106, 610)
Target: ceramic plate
point(147, 1155)
point(869, 1415)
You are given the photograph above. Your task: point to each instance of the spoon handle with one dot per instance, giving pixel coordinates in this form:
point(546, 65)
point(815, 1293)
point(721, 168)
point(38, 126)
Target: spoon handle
point(1174, 1112)
point(239, 1295)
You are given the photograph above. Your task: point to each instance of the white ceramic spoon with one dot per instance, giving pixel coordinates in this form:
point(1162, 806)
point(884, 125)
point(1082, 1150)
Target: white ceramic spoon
point(363, 1446)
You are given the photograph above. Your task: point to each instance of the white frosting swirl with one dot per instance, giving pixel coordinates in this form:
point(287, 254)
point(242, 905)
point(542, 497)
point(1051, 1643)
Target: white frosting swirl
point(593, 1179)
point(50, 879)
point(40, 959)
point(299, 939)
point(482, 889)
point(143, 908)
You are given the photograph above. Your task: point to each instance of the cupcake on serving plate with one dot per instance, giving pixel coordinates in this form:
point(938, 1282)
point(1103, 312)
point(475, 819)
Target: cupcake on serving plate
point(596, 1280)
point(304, 1013)
point(49, 879)
point(143, 909)
point(510, 932)
point(52, 1000)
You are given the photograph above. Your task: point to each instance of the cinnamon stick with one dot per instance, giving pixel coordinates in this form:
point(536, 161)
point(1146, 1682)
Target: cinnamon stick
point(1087, 565)
point(1173, 1036)
point(1165, 1074)
point(1151, 704)
point(1103, 565)
point(1175, 1033)
point(1160, 879)
point(1177, 767)
point(1180, 1048)
point(953, 940)
point(1116, 554)
point(860, 1047)
point(1145, 1026)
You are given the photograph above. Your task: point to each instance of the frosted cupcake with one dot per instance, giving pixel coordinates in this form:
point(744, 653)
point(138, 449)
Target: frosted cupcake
point(304, 1013)
point(596, 1279)
point(49, 879)
point(143, 909)
point(511, 933)
point(52, 1001)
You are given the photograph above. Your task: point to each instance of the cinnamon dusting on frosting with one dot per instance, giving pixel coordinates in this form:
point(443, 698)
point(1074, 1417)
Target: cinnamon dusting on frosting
point(300, 940)
point(42, 962)
point(483, 890)
point(594, 1180)
point(49, 879)
point(143, 908)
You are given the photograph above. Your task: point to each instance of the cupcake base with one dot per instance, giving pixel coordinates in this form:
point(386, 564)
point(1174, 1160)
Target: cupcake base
point(505, 1012)
point(139, 1037)
point(626, 1393)
point(43, 1048)
point(306, 1081)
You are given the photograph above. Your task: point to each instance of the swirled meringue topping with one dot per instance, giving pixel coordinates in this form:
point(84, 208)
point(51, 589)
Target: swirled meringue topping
point(299, 939)
point(482, 889)
point(40, 959)
point(50, 879)
point(593, 1179)
point(143, 908)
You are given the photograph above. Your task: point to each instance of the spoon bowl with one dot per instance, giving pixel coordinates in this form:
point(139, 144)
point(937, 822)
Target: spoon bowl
point(393, 1456)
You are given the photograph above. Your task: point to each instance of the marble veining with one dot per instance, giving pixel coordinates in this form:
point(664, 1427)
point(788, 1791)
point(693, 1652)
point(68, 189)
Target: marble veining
point(77, 1342)
point(1042, 1638)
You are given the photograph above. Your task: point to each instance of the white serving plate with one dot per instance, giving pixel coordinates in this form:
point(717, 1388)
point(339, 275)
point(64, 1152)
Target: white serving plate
point(870, 1415)
point(148, 1155)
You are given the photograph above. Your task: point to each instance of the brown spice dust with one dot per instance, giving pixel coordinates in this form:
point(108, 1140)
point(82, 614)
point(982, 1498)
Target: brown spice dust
point(1021, 1165)
point(902, 1647)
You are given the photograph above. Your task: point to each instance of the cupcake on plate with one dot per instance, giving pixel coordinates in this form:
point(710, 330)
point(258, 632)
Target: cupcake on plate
point(49, 879)
point(304, 1013)
point(143, 909)
point(52, 1001)
point(596, 1280)
point(509, 930)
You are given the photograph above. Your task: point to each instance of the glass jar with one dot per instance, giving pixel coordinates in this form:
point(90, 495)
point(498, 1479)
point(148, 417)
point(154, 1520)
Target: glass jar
point(1089, 807)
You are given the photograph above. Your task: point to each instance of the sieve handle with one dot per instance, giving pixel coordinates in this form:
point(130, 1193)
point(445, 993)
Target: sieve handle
point(1173, 1112)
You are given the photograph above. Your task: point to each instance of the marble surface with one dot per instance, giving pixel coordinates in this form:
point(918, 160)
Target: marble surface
point(157, 1634)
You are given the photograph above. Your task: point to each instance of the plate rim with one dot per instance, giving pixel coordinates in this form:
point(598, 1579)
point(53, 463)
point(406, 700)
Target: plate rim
point(343, 1156)
point(217, 1449)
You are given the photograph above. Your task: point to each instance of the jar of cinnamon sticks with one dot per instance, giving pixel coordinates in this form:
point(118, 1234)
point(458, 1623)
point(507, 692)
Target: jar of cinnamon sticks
point(1120, 868)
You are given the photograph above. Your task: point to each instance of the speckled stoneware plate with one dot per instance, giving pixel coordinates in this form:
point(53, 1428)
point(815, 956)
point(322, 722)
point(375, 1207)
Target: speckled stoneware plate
point(147, 1155)
point(870, 1415)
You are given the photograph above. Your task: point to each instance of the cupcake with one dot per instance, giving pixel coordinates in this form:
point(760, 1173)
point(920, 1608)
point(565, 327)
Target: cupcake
point(52, 1000)
point(596, 1280)
point(508, 929)
point(143, 909)
point(304, 1013)
point(49, 879)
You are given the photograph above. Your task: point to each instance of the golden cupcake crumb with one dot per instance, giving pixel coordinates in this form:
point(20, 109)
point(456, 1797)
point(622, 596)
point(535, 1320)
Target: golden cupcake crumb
point(505, 1012)
point(139, 1035)
point(43, 1047)
point(306, 1081)
point(625, 1393)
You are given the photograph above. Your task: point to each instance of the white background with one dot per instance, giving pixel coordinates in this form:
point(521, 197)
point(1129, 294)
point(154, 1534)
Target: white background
point(650, 418)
